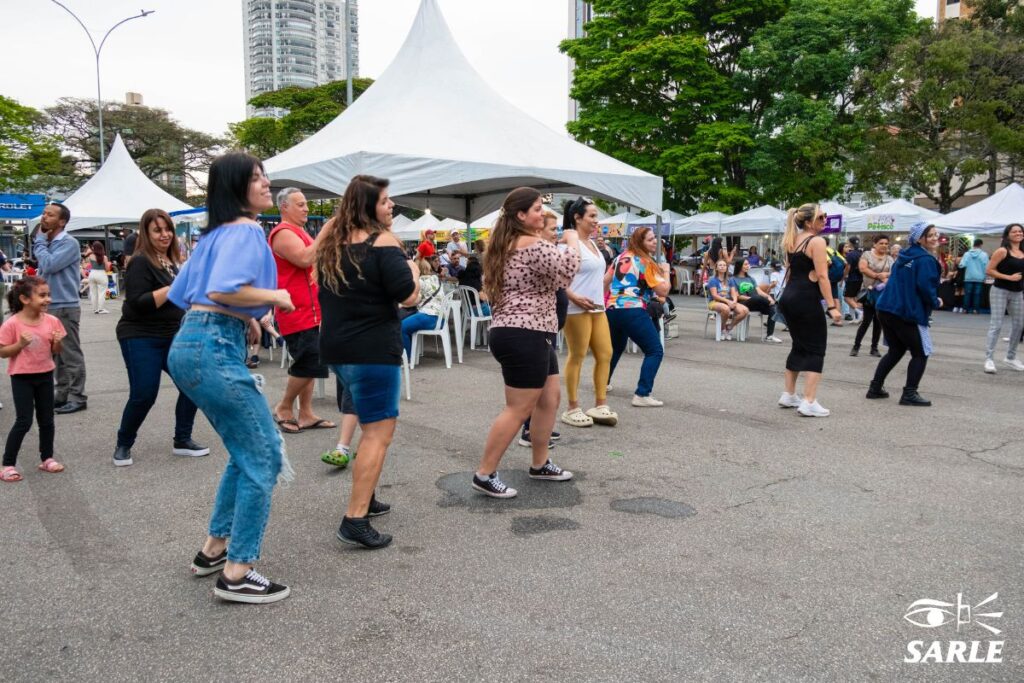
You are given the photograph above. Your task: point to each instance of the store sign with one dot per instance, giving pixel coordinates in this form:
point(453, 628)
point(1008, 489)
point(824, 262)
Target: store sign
point(21, 206)
point(881, 223)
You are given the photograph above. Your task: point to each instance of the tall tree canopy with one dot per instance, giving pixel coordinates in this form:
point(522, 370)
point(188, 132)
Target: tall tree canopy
point(308, 110)
point(30, 160)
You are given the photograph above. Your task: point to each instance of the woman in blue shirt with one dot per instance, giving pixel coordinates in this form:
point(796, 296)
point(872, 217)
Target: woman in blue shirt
point(226, 286)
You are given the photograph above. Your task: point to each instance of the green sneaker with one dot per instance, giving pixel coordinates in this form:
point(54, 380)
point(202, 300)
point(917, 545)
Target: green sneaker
point(337, 458)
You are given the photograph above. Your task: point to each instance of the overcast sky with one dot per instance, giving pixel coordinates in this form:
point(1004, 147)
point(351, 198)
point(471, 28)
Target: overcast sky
point(187, 57)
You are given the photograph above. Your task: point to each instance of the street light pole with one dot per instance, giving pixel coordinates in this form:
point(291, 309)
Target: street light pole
point(348, 53)
point(96, 50)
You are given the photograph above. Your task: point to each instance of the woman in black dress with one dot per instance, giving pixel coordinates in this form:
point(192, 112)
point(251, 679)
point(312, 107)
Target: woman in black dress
point(800, 304)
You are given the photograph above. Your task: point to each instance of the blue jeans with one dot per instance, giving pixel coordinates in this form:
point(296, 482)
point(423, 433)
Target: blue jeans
point(972, 296)
point(413, 324)
point(207, 362)
point(145, 358)
point(375, 390)
point(635, 324)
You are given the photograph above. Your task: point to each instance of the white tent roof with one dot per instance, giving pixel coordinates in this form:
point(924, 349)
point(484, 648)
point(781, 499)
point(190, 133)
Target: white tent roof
point(413, 230)
point(667, 218)
point(990, 215)
point(448, 141)
point(487, 222)
point(704, 223)
point(450, 224)
point(400, 221)
point(118, 193)
point(895, 216)
point(764, 220)
point(625, 218)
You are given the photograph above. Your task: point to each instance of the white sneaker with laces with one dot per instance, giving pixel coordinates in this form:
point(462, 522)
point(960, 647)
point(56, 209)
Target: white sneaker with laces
point(1015, 364)
point(815, 409)
point(990, 366)
point(788, 400)
point(772, 339)
point(646, 402)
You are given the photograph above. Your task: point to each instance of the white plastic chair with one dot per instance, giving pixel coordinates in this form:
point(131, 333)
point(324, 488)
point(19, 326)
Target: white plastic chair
point(405, 376)
point(440, 330)
point(473, 317)
point(712, 315)
point(683, 279)
point(631, 346)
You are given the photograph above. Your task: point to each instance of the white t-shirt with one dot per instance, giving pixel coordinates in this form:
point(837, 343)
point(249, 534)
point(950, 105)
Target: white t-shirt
point(775, 279)
point(452, 247)
point(589, 280)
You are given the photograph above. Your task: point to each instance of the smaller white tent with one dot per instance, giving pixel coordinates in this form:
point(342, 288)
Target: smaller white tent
point(895, 216)
point(667, 218)
point(763, 220)
point(990, 215)
point(414, 230)
point(400, 221)
point(449, 224)
point(488, 222)
point(706, 223)
point(621, 219)
point(853, 220)
point(118, 193)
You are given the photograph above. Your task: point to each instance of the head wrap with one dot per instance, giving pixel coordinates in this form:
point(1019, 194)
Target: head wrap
point(916, 231)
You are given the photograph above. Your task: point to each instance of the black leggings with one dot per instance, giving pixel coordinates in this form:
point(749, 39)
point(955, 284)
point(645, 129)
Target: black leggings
point(760, 304)
point(33, 390)
point(902, 336)
point(870, 319)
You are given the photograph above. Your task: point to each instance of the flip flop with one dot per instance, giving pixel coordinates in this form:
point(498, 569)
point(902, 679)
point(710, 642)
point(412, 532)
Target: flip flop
point(51, 465)
point(10, 474)
point(285, 424)
point(319, 424)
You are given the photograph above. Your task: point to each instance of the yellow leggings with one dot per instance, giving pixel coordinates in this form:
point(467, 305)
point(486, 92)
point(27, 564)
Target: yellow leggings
point(582, 331)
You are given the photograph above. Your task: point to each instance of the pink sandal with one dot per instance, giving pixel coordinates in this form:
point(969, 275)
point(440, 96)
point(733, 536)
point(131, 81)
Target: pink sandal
point(51, 465)
point(10, 474)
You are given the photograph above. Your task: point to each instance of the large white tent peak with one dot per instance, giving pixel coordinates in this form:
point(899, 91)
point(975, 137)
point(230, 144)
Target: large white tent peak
point(990, 215)
point(118, 193)
point(450, 142)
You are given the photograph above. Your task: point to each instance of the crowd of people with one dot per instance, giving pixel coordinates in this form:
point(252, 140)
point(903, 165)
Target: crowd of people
point(349, 301)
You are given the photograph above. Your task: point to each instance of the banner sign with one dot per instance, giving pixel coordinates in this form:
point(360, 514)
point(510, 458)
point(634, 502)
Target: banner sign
point(881, 223)
point(833, 224)
point(21, 206)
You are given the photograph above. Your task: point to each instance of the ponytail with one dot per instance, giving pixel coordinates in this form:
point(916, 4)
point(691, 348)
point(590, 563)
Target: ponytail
point(796, 219)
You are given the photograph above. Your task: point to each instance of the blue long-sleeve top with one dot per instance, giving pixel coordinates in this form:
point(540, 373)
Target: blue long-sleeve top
point(912, 291)
point(60, 265)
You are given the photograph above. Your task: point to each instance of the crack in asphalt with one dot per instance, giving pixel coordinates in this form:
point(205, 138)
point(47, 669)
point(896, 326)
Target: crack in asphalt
point(1016, 470)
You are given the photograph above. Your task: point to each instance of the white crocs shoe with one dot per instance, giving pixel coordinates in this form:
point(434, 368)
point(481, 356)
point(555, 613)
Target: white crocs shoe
point(603, 415)
point(577, 418)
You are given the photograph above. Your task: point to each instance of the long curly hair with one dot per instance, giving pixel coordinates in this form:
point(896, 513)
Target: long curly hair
point(506, 231)
point(356, 211)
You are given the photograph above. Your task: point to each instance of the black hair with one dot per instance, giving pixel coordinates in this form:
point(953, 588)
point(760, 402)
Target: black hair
point(1006, 235)
point(577, 207)
point(23, 287)
point(879, 237)
point(978, 242)
point(65, 212)
point(228, 188)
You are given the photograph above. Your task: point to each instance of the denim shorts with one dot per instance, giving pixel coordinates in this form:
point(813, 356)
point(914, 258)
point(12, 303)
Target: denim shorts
point(375, 390)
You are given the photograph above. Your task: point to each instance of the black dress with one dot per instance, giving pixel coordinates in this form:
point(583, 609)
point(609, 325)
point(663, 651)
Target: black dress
point(800, 305)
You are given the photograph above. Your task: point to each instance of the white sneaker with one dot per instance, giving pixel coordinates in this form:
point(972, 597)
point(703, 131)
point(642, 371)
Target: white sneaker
point(728, 336)
point(990, 366)
point(790, 400)
point(1006, 339)
point(812, 409)
point(1015, 364)
point(646, 402)
point(772, 339)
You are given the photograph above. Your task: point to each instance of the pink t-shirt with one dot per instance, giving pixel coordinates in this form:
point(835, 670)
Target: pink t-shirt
point(36, 357)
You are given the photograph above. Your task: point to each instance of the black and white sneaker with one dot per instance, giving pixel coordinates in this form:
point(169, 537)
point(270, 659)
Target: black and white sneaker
point(493, 486)
point(357, 531)
point(555, 436)
point(190, 448)
point(524, 439)
point(377, 508)
point(204, 566)
point(550, 472)
point(252, 588)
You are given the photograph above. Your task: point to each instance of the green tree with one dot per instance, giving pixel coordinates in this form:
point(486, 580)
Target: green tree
point(29, 159)
point(946, 113)
point(307, 111)
point(161, 146)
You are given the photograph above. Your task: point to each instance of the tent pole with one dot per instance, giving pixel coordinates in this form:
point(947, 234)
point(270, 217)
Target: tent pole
point(657, 231)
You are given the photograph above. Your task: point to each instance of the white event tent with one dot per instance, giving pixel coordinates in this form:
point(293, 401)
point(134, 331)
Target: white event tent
point(450, 142)
point(414, 230)
point(990, 215)
point(487, 222)
point(706, 223)
point(895, 216)
point(763, 220)
point(118, 193)
point(400, 221)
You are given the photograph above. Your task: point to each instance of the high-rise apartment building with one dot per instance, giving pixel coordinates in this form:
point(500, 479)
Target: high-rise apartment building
point(952, 9)
point(296, 42)
point(579, 14)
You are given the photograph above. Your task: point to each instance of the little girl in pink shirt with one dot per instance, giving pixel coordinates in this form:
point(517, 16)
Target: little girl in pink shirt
point(29, 339)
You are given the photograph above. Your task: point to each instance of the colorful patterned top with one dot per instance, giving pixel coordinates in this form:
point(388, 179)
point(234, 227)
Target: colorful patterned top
point(633, 281)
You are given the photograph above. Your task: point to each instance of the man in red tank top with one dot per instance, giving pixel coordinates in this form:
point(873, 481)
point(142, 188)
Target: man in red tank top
point(294, 251)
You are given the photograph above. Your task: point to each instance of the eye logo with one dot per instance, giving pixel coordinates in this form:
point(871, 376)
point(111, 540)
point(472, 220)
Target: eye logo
point(928, 613)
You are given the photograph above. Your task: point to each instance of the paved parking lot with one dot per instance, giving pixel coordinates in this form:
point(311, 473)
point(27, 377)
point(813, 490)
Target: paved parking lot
point(717, 538)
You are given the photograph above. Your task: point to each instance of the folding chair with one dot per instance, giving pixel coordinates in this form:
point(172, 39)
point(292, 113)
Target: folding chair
point(440, 330)
point(472, 315)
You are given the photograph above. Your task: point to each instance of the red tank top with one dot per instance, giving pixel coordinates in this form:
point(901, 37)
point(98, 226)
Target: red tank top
point(300, 285)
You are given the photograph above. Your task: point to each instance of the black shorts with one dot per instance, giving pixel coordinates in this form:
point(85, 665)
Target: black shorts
point(304, 348)
point(527, 357)
point(853, 288)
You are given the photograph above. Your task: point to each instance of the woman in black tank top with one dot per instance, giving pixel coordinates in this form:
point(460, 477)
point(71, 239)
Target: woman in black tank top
point(800, 304)
point(1007, 294)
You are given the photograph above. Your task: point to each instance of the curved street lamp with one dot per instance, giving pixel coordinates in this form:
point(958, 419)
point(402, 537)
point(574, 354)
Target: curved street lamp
point(97, 50)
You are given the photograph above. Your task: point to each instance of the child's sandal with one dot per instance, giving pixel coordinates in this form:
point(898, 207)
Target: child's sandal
point(51, 465)
point(10, 474)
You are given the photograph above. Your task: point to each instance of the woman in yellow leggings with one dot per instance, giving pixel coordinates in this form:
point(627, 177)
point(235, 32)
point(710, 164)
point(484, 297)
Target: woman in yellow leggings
point(586, 325)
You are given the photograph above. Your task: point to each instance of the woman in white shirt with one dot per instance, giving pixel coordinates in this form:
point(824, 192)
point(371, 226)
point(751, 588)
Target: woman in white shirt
point(586, 325)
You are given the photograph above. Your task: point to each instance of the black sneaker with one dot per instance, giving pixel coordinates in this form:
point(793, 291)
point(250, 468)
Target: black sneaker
point(855, 350)
point(524, 439)
point(493, 486)
point(190, 448)
point(874, 352)
point(669, 317)
point(122, 456)
point(377, 508)
point(253, 362)
point(253, 588)
point(550, 472)
point(555, 436)
point(204, 566)
point(357, 531)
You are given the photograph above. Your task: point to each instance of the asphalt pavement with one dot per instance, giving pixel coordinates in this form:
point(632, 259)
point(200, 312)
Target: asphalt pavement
point(717, 538)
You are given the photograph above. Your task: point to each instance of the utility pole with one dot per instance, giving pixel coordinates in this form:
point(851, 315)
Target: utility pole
point(348, 53)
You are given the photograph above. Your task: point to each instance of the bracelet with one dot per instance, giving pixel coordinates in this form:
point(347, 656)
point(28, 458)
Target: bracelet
point(833, 307)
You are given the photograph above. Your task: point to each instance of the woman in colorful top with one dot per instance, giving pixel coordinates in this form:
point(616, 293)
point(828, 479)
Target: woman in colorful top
point(586, 325)
point(429, 307)
point(631, 281)
point(521, 274)
point(227, 285)
point(723, 299)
